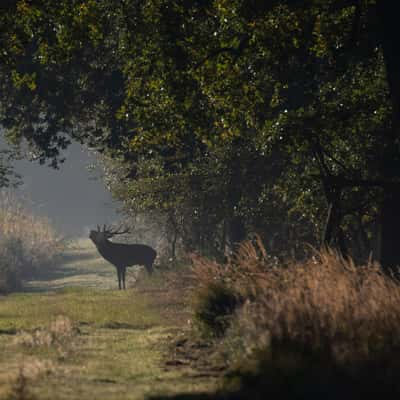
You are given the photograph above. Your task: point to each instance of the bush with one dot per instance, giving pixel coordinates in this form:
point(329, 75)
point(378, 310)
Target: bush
point(27, 243)
point(214, 308)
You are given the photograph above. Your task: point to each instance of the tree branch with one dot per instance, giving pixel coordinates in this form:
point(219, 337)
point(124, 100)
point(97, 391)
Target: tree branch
point(235, 51)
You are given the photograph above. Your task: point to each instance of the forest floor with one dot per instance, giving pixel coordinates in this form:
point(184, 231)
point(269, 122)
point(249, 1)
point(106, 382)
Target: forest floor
point(72, 335)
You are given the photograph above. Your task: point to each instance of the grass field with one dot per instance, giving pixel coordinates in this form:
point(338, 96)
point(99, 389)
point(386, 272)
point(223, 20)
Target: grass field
point(72, 335)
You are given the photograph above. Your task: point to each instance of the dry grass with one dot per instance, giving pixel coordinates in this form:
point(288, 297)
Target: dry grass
point(320, 326)
point(60, 332)
point(39, 239)
point(30, 370)
point(169, 291)
point(246, 270)
point(27, 242)
point(325, 304)
point(20, 387)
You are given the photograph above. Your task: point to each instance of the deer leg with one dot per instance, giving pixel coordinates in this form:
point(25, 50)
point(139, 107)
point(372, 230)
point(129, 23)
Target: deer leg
point(123, 276)
point(119, 278)
point(149, 268)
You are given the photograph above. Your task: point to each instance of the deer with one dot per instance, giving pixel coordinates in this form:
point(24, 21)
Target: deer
point(122, 255)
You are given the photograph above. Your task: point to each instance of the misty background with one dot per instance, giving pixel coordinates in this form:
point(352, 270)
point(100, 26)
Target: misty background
point(73, 197)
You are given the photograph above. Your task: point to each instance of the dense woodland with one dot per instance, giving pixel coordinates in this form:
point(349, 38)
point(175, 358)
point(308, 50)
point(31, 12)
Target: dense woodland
point(219, 118)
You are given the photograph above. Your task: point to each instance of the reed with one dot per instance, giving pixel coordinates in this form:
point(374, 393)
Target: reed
point(27, 242)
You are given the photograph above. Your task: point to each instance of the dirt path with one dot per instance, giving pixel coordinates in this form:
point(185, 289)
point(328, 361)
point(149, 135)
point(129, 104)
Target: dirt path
point(81, 266)
point(72, 335)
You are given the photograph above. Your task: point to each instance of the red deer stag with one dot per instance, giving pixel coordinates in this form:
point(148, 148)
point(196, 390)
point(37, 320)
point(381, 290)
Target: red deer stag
point(122, 255)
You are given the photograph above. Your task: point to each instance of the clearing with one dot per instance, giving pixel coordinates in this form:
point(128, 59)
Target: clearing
point(72, 335)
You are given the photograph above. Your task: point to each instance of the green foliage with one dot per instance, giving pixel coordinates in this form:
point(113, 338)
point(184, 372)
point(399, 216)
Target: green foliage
point(215, 306)
point(268, 112)
point(8, 177)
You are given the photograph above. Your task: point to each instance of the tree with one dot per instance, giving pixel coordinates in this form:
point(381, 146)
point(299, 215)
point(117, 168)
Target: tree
point(8, 176)
point(388, 28)
point(286, 101)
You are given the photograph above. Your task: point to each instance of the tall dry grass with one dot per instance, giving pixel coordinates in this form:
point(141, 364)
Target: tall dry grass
point(27, 242)
point(325, 304)
point(302, 329)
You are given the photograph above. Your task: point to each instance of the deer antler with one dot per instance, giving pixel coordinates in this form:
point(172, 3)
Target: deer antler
point(118, 231)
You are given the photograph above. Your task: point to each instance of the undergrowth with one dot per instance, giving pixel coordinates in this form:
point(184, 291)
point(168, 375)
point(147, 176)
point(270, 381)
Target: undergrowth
point(214, 307)
point(323, 323)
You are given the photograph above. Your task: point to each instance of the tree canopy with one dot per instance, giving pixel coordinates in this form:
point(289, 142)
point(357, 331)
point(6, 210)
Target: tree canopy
point(228, 117)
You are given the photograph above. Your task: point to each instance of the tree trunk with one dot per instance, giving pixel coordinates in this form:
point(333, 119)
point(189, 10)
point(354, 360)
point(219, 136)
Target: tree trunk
point(378, 240)
point(389, 34)
point(224, 242)
point(173, 245)
point(333, 235)
point(174, 231)
point(328, 229)
point(236, 232)
point(236, 227)
point(390, 240)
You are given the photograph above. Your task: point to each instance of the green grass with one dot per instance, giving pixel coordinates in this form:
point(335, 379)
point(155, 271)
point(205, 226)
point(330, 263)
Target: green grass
point(117, 350)
point(102, 363)
point(98, 307)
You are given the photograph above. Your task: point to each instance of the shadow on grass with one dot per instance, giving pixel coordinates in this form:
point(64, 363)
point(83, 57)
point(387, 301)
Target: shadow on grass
point(186, 396)
point(123, 325)
point(64, 268)
point(290, 393)
point(290, 375)
point(77, 257)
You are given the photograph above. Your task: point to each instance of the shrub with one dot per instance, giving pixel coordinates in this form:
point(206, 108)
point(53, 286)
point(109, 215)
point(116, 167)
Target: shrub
point(214, 308)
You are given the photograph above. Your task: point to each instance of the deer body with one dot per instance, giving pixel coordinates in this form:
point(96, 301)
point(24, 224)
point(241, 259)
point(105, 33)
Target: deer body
point(122, 255)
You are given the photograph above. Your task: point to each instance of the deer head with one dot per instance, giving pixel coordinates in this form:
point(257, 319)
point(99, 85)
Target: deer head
point(100, 236)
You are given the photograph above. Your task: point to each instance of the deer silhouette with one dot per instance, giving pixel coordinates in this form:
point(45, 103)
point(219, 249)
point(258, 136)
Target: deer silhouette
point(122, 255)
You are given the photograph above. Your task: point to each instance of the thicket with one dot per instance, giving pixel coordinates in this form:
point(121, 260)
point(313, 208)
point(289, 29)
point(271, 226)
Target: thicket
point(28, 243)
point(220, 119)
point(322, 324)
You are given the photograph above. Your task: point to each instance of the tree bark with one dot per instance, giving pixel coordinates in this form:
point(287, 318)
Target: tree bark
point(237, 231)
point(333, 235)
point(236, 227)
point(389, 34)
point(390, 239)
point(328, 229)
